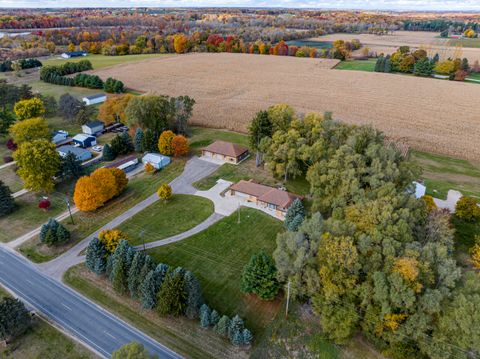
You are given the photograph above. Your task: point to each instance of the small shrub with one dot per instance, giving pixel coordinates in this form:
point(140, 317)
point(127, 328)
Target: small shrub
point(149, 168)
point(7, 159)
point(165, 192)
point(44, 204)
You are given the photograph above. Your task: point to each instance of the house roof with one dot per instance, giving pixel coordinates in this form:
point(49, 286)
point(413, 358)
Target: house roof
point(93, 97)
point(82, 137)
point(154, 157)
point(226, 148)
point(77, 151)
point(267, 194)
point(122, 161)
point(93, 124)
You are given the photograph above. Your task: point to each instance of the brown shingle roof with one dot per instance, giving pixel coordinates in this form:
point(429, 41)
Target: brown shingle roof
point(226, 148)
point(267, 194)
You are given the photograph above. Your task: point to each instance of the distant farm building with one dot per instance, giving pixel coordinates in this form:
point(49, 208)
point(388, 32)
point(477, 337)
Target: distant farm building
point(92, 128)
point(80, 153)
point(84, 141)
point(71, 54)
point(273, 199)
point(157, 160)
point(59, 136)
point(225, 151)
point(127, 164)
point(94, 99)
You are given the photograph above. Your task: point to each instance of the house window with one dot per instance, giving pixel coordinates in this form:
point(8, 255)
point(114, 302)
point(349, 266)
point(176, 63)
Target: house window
point(271, 206)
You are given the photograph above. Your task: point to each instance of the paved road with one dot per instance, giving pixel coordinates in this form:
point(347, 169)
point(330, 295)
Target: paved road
point(95, 327)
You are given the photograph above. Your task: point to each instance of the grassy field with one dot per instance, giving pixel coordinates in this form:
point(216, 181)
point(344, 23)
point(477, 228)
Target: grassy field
point(202, 137)
point(101, 61)
point(165, 219)
point(357, 65)
point(442, 173)
point(180, 334)
point(9, 177)
point(139, 188)
point(43, 341)
point(465, 42)
point(217, 257)
point(311, 43)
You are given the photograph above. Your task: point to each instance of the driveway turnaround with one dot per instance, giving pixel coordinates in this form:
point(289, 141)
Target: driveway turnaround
point(100, 330)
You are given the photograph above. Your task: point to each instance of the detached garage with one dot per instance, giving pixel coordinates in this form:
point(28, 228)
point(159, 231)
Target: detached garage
point(157, 160)
point(80, 153)
point(97, 98)
point(92, 128)
point(226, 152)
point(84, 141)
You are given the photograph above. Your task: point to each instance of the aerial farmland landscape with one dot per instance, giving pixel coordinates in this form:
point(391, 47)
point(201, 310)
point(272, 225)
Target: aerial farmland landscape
point(223, 180)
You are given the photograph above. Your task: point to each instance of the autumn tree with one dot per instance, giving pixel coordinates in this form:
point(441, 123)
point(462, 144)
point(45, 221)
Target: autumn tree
point(111, 238)
point(29, 108)
point(164, 192)
point(179, 145)
point(467, 209)
point(38, 162)
point(113, 109)
point(165, 145)
point(150, 112)
point(180, 42)
point(29, 130)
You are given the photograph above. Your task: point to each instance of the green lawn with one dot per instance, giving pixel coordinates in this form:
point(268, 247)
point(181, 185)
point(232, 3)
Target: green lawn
point(165, 219)
point(101, 61)
point(442, 173)
point(217, 257)
point(311, 43)
point(4, 151)
point(201, 137)
point(139, 188)
point(43, 341)
point(9, 177)
point(357, 65)
point(465, 42)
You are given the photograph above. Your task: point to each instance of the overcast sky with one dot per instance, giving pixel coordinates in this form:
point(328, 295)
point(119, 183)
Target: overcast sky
point(438, 5)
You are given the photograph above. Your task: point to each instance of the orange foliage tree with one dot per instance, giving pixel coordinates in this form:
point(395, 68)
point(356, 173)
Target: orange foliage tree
point(113, 110)
point(92, 192)
point(180, 43)
point(180, 146)
point(165, 143)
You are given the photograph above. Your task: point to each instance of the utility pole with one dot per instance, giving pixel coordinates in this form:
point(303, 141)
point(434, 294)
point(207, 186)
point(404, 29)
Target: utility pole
point(67, 201)
point(288, 299)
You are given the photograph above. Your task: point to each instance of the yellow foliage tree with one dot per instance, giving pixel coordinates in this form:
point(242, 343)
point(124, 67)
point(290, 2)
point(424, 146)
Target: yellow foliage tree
point(149, 168)
point(180, 146)
point(392, 320)
point(30, 130)
point(180, 43)
point(470, 33)
point(71, 47)
point(165, 192)
point(121, 180)
point(429, 202)
point(446, 67)
point(165, 143)
point(113, 110)
point(111, 238)
point(408, 270)
point(29, 108)
point(475, 253)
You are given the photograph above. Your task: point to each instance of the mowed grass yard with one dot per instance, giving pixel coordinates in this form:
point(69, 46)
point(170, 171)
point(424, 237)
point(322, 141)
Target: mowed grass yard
point(9, 177)
point(43, 341)
point(139, 188)
point(217, 257)
point(164, 219)
point(357, 65)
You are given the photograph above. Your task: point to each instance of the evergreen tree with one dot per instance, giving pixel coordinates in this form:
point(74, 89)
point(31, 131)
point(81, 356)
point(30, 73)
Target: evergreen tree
point(260, 127)
point(96, 257)
point(109, 267)
point(53, 233)
point(14, 318)
point(149, 289)
point(295, 210)
point(171, 298)
point(149, 141)
point(138, 140)
point(236, 326)
point(162, 270)
point(119, 276)
point(423, 67)
point(380, 64)
point(134, 279)
point(108, 154)
point(388, 68)
point(214, 317)
point(259, 277)
point(62, 234)
point(237, 338)
point(71, 167)
point(205, 316)
point(124, 251)
point(194, 293)
point(465, 66)
point(222, 326)
point(247, 337)
point(148, 266)
point(436, 58)
point(7, 204)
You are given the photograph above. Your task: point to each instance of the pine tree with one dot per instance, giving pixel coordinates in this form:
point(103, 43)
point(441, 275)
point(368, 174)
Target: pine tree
point(247, 337)
point(108, 154)
point(222, 326)
point(138, 142)
point(119, 277)
point(62, 234)
point(162, 270)
point(7, 204)
point(171, 298)
point(388, 68)
point(259, 277)
point(205, 316)
point(148, 266)
point(127, 144)
point(96, 259)
point(14, 318)
point(214, 317)
point(194, 293)
point(149, 289)
point(296, 209)
point(53, 233)
point(237, 338)
point(423, 67)
point(236, 326)
point(134, 274)
point(149, 141)
point(71, 167)
point(380, 64)
point(109, 267)
point(121, 251)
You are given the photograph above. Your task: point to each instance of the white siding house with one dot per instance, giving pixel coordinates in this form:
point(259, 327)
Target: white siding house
point(70, 54)
point(157, 160)
point(92, 128)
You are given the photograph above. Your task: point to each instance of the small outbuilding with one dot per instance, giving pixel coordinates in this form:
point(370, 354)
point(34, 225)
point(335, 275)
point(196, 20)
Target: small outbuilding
point(83, 140)
point(72, 54)
point(226, 152)
point(420, 189)
point(92, 128)
point(59, 136)
point(80, 153)
point(126, 164)
point(94, 99)
point(157, 160)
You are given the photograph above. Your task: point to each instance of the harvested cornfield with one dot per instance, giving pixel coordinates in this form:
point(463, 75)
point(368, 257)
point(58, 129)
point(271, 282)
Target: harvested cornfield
point(431, 115)
point(429, 41)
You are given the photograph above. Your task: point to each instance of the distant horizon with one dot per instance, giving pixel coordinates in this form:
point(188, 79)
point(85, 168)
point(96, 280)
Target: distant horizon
point(341, 5)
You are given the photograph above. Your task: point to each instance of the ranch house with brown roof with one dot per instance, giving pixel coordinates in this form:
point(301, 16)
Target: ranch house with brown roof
point(225, 151)
point(275, 200)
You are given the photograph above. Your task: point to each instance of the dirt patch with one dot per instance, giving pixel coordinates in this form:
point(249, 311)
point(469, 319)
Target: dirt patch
point(431, 115)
